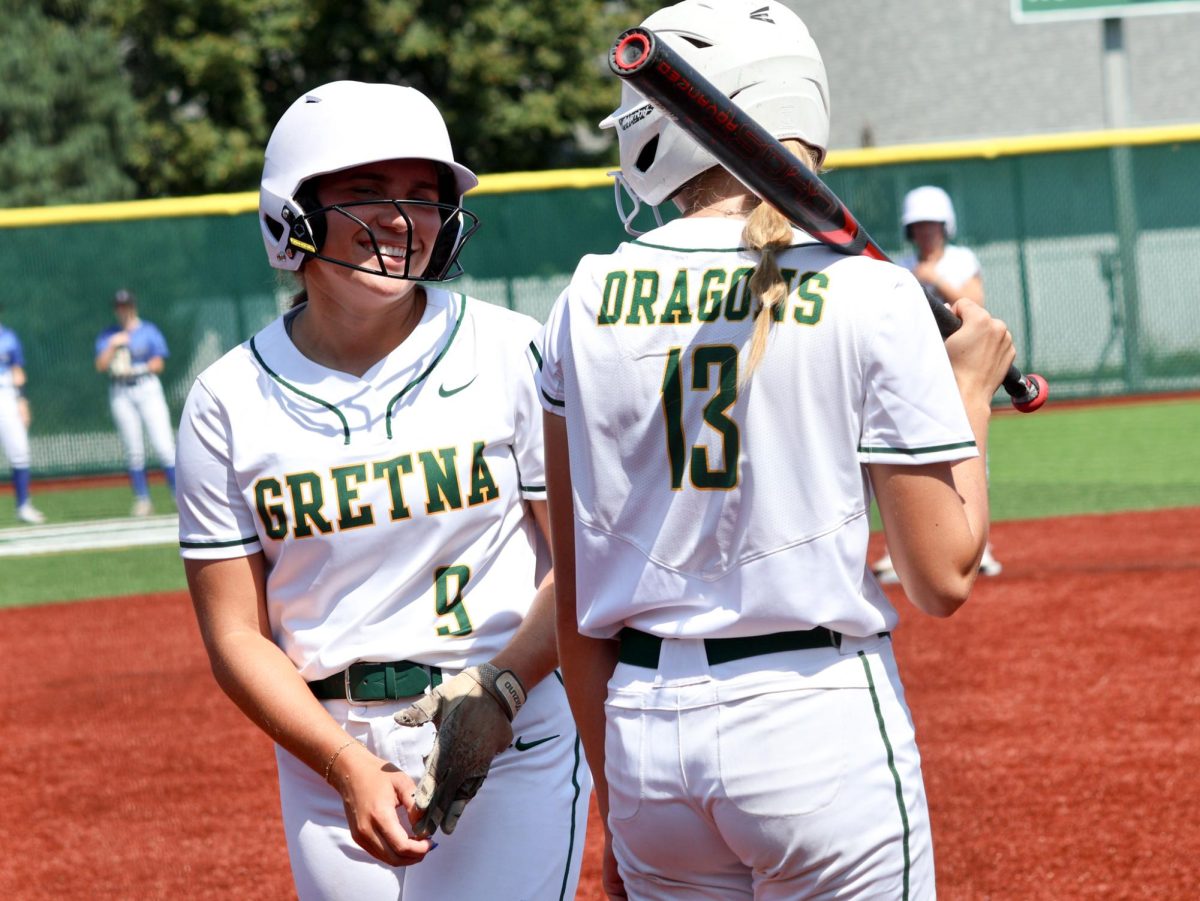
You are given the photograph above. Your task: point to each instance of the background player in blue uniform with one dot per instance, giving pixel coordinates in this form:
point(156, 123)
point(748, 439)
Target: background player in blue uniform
point(14, 422)
point(132, 353)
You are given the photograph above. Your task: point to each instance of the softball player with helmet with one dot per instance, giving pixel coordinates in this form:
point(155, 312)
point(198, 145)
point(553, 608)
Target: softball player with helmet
point(132, 354)
point(362, 521)
point(722, 396)
point(948, 270)
point(14, 423)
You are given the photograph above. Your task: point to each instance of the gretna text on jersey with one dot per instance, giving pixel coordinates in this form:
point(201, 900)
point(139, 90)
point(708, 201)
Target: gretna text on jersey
point(295, 503)
point(650, 297)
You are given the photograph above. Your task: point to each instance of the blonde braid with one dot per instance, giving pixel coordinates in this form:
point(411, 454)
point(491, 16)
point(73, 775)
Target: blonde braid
point(768, 232)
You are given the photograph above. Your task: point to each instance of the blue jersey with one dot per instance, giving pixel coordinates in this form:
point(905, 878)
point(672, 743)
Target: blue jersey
point(145, 342)
point(10, 355)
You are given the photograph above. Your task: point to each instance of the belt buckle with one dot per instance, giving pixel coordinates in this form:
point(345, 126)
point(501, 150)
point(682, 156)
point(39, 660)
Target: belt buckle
point(350, 685)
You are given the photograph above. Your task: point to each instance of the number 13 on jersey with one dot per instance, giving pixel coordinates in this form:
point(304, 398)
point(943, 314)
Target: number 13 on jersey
point(713, 369)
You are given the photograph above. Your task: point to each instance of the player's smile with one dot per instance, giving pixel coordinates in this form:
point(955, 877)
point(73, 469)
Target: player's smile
point(374, 233)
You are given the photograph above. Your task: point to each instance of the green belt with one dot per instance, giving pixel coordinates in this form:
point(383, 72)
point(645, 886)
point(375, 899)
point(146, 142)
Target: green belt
point(641, 648)
point(363, 682)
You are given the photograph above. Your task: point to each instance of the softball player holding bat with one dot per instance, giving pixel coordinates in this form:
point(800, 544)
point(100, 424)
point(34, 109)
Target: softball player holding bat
point(132, 354)
point(362, 521)
point(14, 423)
point(950, 271)
point(722, 396)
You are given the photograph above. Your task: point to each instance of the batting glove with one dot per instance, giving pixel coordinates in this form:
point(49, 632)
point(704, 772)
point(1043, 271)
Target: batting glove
point(473, 713)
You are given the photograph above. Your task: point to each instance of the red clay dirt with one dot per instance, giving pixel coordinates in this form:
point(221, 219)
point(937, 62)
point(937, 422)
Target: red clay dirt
point(1056, 712)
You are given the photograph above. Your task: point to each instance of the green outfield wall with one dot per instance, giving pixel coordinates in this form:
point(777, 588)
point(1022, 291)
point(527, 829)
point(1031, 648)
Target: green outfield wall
point(1090, 245)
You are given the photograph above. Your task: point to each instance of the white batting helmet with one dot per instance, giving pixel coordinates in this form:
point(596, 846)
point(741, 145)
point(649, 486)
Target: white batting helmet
point(758, 53)
point(929, 203)
point(345, 124)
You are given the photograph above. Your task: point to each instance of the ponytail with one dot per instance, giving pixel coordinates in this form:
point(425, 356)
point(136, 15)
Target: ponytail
point(768, 232)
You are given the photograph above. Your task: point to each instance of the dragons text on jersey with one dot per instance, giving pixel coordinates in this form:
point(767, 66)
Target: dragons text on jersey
point(679, 297)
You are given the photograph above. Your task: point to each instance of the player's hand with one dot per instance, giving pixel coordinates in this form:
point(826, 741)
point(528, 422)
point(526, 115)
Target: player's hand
point(610, 878)
point(926, 272)
point(372, 791)
point(473, 714)
point(980, 352)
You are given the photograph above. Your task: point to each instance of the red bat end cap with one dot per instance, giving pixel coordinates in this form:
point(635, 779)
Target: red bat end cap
point(631, 51)
point(1040, 394)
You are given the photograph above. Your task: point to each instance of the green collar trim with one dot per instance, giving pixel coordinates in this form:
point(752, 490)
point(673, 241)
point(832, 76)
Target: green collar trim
point(304, 394)
point(712, 249)
point(403, 391)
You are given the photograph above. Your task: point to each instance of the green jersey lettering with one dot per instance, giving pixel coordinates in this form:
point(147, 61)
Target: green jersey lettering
point(272, 515)
point(307, 498)
point(441, 480)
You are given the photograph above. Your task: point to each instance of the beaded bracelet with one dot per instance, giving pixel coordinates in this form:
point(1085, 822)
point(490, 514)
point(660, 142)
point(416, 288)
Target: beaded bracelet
point(334, 757)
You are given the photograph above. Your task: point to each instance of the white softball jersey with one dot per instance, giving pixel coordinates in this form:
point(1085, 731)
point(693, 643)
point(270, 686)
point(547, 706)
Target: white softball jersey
point(389, 507)
point(711, 507)
point(957, 266)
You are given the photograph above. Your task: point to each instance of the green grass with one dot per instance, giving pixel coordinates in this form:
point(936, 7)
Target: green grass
point(79, 575)
point(86, 503)
point(1057, 462)
point(1095, 459)
point(75, 575)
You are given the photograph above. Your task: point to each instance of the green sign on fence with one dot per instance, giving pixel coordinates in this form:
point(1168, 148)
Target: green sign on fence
point(1026, 11)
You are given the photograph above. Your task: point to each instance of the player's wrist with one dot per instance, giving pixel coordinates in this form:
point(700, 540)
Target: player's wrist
point(342, 761)
point(504, 685)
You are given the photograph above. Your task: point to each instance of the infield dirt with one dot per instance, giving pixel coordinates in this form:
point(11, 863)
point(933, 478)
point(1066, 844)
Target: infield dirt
point(1056, 714)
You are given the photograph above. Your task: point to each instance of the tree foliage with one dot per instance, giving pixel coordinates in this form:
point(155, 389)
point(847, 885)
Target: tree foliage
point(178, 97)
point(67, 113)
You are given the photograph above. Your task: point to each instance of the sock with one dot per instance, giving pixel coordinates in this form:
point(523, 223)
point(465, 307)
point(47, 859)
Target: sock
point(170, 474)
point(20, 479)
point(137, 478)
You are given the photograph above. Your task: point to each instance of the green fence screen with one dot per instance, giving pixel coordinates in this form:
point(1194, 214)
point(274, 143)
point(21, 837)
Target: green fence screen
point(1092, 256)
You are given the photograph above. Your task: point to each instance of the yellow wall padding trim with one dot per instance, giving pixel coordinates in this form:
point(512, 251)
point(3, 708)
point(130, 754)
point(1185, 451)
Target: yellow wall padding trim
point(516, 182)
point(998, 147)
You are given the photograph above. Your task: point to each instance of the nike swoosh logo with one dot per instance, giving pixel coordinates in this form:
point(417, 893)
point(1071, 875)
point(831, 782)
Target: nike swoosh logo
point(449, 393)
point(521, 745)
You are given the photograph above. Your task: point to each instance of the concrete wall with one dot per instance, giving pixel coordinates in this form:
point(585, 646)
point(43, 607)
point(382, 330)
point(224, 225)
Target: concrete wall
point(914, 71)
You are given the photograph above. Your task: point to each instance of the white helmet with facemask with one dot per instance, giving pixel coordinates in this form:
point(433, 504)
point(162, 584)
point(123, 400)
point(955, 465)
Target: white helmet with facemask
point(756, 52)
point(345, 124)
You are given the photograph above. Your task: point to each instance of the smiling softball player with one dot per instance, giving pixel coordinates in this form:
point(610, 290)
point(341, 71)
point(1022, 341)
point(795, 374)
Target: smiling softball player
point(362, 510)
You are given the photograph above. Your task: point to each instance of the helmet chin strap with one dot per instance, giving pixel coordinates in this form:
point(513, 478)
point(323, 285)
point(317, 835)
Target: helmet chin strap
point(621, 190)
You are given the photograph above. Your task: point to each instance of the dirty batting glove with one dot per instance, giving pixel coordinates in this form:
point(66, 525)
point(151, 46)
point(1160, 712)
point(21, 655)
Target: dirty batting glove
point(473, 714)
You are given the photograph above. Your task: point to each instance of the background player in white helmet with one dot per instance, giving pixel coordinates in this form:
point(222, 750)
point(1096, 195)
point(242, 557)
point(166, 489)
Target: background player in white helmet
point(950, 271)
point(721, 397)
point(362, 517)
point(14, 423)
point(132, 354)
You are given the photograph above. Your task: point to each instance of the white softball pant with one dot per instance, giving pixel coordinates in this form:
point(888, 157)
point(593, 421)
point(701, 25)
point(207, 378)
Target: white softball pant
point(13, 435)
point(520, 839)
point(141, 402)
point(779, 777)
